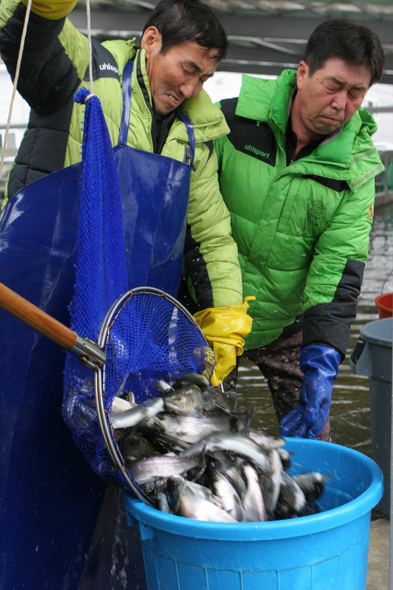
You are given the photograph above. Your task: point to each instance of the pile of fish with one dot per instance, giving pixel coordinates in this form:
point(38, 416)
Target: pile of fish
point(195, 456)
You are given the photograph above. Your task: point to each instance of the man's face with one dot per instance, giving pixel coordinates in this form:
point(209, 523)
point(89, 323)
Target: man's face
point(330, 97)
point(178, 73)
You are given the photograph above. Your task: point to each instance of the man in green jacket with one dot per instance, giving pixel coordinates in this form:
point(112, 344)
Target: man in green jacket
point(181, 46)
point(297, 174)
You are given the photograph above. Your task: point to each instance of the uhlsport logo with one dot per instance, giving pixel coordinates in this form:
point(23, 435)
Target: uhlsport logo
point(256, 151)
point(106, 66)
point(370, 215)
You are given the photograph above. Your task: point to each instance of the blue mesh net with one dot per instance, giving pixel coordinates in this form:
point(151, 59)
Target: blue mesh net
point(146, 335)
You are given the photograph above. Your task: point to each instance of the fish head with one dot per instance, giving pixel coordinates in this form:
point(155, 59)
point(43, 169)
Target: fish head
point(186, 400)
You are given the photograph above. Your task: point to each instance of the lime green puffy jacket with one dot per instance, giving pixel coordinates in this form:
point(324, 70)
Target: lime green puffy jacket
point(302, 230)
point(55, 64)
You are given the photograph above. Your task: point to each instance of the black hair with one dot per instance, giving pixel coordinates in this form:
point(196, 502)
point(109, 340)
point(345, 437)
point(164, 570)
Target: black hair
point(188, 20)
point(351, 42)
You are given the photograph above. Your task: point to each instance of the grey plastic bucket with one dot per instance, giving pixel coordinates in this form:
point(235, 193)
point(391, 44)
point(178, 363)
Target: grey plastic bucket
point(372, 356)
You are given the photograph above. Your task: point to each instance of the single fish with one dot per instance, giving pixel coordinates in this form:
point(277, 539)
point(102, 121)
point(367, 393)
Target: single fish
point(312, 483)
point(235, 442)
point(133, 446)
point(187, 400)
point(192, 379)
point(137, 414)
point(213, 398)
point(285, 457)
point(130, 397)
point(187, 500)
point(162, 502)
point(162, 467)
point(120, 404)
point(235, 477)
point(266, 440)
point(291, 500)
point(253, 504)
point(270, 484)
point(163, 387)
point(228, 496)
point(222, 463)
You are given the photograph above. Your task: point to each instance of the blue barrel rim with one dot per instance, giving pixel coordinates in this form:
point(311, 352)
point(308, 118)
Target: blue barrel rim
point(271, 530)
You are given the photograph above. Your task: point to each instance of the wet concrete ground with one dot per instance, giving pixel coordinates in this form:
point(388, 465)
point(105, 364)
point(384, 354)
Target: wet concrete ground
point(378, 555)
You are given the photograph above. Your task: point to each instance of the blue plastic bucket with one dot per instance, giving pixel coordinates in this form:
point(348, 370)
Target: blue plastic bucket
point(322, 551)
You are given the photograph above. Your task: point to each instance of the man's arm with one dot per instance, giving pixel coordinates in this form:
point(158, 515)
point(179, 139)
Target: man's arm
point(49, 73)
point(336, 272)
point(211, 253)
point(214, 272)
point(334, 284)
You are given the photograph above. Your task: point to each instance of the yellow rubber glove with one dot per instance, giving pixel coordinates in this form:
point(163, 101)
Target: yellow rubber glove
point(225, 329)
point(52, 9)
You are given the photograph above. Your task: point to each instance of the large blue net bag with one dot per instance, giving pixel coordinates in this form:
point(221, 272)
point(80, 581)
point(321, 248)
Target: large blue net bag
point(146, 334)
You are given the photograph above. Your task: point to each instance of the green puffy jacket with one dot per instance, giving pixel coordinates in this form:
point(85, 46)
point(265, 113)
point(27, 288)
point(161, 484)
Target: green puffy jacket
point(54, 66)
point(302, 230)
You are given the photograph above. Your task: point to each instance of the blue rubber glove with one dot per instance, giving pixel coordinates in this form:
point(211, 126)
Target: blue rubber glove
point(320, 367)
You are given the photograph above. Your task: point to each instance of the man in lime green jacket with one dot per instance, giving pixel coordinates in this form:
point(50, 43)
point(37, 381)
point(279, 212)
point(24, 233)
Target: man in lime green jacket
point(182, 44)
point(297, 174)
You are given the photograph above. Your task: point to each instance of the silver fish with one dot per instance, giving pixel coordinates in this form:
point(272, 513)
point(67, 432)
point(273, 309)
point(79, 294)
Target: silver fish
point(187, 500)
point(291, 500)
point(137, 414)
point(162, 467)
point(235, 442)
point(266, 440)
point(228, 496)
point(162, 502)
point(179, 431)
point(312, 483)
point(192, 379)
point(270, 484)
point(213, 396)
point(253, 504)
point(285, 457)
point(232, 469)
point(187, 400)
point(133, 446)
point(163, 387)
point(120, 404)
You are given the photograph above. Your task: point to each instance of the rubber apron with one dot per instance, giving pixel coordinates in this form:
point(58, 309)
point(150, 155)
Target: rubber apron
point(40, 464)
point(155, 192)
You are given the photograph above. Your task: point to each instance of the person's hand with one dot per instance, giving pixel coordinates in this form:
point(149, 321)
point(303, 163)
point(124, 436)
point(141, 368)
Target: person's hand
point(225, 355)
point(320, 367)
point(52, 9)
point(225, 329)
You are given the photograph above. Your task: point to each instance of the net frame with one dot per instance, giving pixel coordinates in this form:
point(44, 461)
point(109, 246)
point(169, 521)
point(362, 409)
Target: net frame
point(103, 415)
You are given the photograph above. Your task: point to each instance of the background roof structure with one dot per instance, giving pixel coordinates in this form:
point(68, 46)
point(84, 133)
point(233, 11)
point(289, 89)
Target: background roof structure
point(265, 35)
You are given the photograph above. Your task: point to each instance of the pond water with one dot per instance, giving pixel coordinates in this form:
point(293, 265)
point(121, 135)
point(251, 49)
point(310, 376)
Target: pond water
point(350, 410)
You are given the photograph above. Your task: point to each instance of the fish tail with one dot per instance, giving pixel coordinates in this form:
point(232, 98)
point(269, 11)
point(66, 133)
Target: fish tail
point(246, 417)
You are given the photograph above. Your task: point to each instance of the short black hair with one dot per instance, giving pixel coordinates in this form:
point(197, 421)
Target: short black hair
point(188, 20)
point(351, 42)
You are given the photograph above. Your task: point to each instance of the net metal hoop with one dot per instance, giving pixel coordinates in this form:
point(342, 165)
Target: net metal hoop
point(99, 379)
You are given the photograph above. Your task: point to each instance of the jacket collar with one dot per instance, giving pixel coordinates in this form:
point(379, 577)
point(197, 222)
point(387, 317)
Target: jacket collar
point(268, 100)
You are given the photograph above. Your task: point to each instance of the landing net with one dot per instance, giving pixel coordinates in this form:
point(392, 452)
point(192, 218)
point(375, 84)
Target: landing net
point(146, 335)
